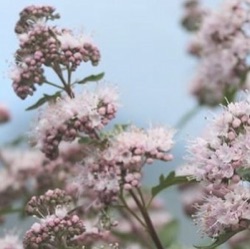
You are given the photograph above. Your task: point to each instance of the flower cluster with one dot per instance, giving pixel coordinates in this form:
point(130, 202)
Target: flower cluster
point(222, 153)
point(31, 14)
point(43, 46)
point(60, 225)
point(230, 213)
point(76, 214)
point(64, 120)
point(220, 159)
point(56, 221)
point(29, 172)
point(222, 46)
point(63, 227)
point(47, 203)
point(120, 164)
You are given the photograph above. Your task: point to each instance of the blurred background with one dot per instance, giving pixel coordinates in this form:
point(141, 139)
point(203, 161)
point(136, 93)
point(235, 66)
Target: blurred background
point(143, 49)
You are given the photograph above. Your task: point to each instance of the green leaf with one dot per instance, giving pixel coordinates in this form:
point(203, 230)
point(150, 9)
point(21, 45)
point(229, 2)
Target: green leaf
point(230, 91)
point(168, 181)
point(16, 141)
point(220, 240)
point(92, 77)
point(100, 143)
point(116, 130)
point(43, 100)
point(244, 173)
point(121, 127)
point(229, 95)
point(169, 233)
point(84, 140)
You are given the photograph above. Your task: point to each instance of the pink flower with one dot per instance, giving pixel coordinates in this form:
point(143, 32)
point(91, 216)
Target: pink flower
point(4, 114)
point(224, 148)
point(67, 118)
point(10, 241)
point(218, 215)
point(119, 165)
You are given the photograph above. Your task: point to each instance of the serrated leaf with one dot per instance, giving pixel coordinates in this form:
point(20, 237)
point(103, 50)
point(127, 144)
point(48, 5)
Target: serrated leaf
point(220, 240)
point(93, 77)
point(168, 181)
point(43, 100)
point(169, 233)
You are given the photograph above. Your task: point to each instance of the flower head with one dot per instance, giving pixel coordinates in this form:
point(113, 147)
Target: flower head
point(222, 46)
point(63, 120)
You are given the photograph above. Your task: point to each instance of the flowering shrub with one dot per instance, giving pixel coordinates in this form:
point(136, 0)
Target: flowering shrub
point(81, 176)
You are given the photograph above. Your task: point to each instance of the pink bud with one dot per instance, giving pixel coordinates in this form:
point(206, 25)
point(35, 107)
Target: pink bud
point(236, 123)
point(75, 219)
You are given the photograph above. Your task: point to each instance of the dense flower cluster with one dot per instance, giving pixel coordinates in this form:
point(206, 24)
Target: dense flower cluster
point(56, 222)
point(120, 164)
point(43, 45)
point(220, 159)
point(64, 120)
point(31, 14)
point(230, 213)
point(222, 46)
point(61, 226)
point(47, 203)
point(220, 155)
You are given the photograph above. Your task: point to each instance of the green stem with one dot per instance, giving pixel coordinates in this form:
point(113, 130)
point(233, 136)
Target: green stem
point(66, 87)
point(131, 211)
point(69, 76)
point(141, 236)
point(141, 196)
point(52, 84)
point(150, 226)
point(187, 117)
